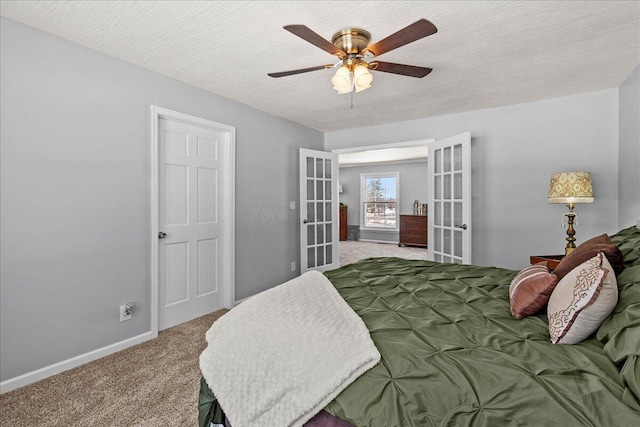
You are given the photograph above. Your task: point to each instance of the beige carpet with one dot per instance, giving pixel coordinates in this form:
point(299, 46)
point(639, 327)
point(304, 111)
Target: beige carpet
point(352, 251)
point(155, 383)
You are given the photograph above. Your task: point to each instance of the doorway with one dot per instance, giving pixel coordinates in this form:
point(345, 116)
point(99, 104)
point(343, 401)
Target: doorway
point(407, 161)
point(448, 180)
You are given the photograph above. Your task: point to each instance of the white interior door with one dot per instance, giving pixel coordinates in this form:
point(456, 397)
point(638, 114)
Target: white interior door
point(449, 181)
point(195, 219)
point(319, 210)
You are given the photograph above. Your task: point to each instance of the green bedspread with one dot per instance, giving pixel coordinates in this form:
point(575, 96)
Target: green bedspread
point(453, 355)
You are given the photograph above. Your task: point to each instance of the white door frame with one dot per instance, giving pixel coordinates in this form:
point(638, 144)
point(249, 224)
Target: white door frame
point(227, 211)
point(404, 144)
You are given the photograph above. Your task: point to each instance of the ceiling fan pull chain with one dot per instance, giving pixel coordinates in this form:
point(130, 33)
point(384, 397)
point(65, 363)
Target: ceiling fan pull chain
point(351, 98)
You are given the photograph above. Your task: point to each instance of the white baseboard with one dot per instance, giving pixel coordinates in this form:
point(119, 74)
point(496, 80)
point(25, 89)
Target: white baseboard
point(65, 365)
point(388, 242)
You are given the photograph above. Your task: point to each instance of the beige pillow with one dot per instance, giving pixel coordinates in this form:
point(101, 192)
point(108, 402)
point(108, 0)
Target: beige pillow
point(530, 290)
point(581, 301)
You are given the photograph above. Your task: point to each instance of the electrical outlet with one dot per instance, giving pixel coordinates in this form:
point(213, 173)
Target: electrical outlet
point(123, 313)
point(292, 206)
point(293, 266)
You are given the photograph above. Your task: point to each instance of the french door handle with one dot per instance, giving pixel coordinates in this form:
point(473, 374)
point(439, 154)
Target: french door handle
point(463, 226)
point(161, 234)
point(304, 221)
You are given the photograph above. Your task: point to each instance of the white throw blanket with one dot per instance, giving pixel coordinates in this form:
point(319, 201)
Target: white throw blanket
point(281, 356)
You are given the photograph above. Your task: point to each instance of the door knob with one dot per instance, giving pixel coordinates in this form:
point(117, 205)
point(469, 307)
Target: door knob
point(463, 226)
point(161, 234)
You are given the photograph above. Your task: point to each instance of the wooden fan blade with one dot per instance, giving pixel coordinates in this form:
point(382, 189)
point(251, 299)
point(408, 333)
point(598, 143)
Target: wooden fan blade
point(300, 71)
point(309, 35)
point(403, 70)
point(413, 32)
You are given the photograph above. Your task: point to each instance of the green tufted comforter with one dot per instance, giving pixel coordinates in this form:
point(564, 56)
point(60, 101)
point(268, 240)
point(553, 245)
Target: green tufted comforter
point(453, 355)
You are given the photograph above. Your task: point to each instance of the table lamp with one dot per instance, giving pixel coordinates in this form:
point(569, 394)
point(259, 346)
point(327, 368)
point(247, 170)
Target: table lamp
point(570, 188)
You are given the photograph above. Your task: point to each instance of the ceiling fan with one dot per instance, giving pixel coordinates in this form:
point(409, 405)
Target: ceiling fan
point(351, 46)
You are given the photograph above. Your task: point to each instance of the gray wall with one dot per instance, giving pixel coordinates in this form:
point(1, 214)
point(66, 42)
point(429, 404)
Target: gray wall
point(629, 184)
point(75, 188)
point(515, 149)
point(413, 185)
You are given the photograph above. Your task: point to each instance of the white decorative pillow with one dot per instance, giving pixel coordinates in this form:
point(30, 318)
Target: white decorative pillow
point(582, 300)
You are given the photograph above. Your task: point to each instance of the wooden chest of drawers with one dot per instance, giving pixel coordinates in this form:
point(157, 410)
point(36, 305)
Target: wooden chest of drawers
point(413, 230)
point(343, 222)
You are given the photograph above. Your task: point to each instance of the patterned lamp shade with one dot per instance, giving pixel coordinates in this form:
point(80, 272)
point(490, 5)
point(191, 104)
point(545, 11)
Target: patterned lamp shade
point(571, 187)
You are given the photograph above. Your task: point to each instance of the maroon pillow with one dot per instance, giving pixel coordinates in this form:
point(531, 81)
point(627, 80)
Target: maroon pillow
point(530, 290)
point(588, 250)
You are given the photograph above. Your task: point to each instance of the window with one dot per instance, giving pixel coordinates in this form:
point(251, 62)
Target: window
point(379, 201)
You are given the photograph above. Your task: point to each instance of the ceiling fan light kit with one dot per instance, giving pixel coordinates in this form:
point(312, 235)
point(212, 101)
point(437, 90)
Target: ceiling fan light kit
point(352, 75)
point(341, 80)
point(362, 78)
point(351, 46)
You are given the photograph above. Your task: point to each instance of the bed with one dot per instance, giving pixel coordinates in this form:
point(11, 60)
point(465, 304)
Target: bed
point(453, 354)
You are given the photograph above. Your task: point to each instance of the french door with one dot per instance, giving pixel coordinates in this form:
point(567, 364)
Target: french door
point(449, 183)
point(319, 227)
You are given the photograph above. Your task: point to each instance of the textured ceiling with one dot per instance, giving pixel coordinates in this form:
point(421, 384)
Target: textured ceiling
point(485, 53)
